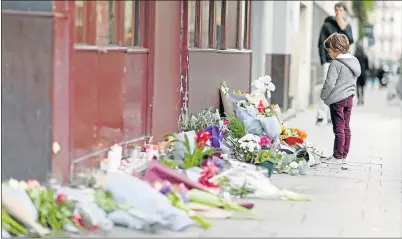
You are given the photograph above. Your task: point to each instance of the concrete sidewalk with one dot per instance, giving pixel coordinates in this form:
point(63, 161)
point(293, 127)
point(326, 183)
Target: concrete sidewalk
point(364, 201)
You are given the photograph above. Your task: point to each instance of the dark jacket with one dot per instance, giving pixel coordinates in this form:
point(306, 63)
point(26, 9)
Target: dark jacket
point(331, 26)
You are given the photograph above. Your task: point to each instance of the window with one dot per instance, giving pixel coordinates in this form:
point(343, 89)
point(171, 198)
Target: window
point(205, 25)
point(232, 24)
point(191, 23)
point(106, 23)
point(122, 23)
point(247, 24)
point(132, 19)
point(79, 21)
point(219, 24)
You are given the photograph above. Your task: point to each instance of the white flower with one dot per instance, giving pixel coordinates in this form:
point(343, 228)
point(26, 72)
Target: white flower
point(240, 140)
point(23, 185)
point(251, 150)
point(249, 137)
point(257, 138)
point(293, 165)
point(251, 145)
point(271, 86)
point(243, 145)
point(13, 183)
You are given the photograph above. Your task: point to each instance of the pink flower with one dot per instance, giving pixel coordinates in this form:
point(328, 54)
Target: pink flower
point(33, 183)
point(264, 140)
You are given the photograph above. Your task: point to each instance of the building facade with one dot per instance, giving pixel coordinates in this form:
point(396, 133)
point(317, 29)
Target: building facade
point(88, 74)
point(387, 31)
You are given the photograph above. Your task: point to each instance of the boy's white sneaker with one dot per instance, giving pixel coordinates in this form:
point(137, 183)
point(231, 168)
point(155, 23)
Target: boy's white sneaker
point(333, 160)
point(344, 165)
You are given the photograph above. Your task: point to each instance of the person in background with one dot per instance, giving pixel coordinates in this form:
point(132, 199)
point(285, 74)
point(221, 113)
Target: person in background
point(331, 25)
point(338, 92)
point(361, 80)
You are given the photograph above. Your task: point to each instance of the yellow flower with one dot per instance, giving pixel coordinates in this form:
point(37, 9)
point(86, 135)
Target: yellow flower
point(265, 155)
point(283, 128)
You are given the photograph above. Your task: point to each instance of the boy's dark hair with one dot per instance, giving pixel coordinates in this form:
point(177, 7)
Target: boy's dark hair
point(340, 5)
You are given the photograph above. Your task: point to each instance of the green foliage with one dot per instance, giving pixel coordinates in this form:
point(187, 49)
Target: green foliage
point(196, 158)
point(169, 163)
point(236, 127)
point(361, 10)
point(270, 155)
point(203, 120)
point(104, 199)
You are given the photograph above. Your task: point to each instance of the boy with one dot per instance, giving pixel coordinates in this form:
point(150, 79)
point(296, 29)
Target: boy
point(338, 92)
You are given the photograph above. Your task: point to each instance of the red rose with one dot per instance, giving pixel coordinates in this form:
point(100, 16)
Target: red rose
point(61, 198)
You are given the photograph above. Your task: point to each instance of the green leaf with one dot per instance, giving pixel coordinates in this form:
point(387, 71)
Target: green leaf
point(208, 152)
point(187, 144)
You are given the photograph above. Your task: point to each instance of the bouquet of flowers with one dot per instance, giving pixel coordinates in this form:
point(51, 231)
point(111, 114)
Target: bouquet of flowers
point(270, 155)
point(196, 158)
point(248, 147)
point(177, 195)
point(264, 111)
point(209, 170)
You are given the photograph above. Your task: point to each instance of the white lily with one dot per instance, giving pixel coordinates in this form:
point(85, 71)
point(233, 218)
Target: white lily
point(271, 86)
point(293, 165)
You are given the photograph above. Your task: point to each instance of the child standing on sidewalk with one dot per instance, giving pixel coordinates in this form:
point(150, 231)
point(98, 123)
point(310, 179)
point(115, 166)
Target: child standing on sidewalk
point(338, 92)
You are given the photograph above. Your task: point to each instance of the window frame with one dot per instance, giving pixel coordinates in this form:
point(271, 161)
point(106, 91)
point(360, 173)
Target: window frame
point(242, 33)
point(89, 26)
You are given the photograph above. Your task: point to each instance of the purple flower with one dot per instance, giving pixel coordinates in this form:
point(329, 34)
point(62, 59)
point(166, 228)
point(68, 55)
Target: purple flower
point(184, 197)
point(166, 189)
point(215, 136)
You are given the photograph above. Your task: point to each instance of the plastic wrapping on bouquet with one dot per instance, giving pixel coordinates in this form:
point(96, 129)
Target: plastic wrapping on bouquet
point(114, 158)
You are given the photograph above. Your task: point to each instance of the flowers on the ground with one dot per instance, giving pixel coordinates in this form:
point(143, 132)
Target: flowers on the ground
point(204, 119)
point(270, 155)
point(176, 196)
point(224, 88)
point(248, 147)
point(243, 103)
point(293, 165)
point(202, 138)
point(301, 133)
point(54, 212)
point(196, 158)
point(209, 170)
point(265, 141)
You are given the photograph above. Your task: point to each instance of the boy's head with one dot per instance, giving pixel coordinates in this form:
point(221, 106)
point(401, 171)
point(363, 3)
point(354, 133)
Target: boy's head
point(336, 44)
point(340, 9)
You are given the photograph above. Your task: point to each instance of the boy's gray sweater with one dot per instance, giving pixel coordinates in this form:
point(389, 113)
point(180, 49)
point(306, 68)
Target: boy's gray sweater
point(341, 79)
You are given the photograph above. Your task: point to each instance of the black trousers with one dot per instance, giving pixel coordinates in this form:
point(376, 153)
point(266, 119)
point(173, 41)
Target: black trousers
point(360, 92)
